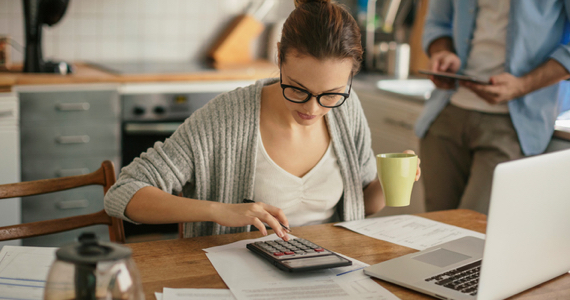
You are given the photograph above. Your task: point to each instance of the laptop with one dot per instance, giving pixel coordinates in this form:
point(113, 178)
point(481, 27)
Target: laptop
point(527, 241)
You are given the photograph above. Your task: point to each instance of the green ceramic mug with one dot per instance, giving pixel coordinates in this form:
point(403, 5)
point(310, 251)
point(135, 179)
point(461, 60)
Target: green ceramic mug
point(397, 174)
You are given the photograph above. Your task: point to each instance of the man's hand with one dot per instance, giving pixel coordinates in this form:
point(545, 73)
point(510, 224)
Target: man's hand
point(504, 87)
point(444, 61)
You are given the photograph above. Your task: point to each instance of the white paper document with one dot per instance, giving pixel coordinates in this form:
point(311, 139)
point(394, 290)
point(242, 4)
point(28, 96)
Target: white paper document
point(251, 277)
point(243, 243)
point(408, 230)
point(23, 271)
point(196, 294)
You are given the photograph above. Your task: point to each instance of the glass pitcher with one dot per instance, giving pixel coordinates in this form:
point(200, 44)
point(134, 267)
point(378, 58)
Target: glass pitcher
point(93, 270)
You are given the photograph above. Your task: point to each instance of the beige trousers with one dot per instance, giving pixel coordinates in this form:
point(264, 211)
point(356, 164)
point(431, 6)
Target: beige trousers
point(459, 154)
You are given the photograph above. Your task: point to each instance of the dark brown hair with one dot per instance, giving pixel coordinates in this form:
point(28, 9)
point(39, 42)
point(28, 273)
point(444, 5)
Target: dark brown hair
point(323, 30)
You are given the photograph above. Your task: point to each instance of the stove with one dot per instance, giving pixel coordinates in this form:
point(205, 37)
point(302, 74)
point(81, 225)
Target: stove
point(153, 67)
point(153, 113)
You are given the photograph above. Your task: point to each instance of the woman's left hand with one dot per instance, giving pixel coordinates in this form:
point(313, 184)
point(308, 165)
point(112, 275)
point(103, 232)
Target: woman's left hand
point(419, 170)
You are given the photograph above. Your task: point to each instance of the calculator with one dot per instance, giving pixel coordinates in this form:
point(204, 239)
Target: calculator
point(297, 255)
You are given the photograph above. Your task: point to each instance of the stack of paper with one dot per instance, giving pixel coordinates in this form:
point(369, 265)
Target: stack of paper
point(23, 271)
point(408, 230)
point(194, 294)
point(250, 277)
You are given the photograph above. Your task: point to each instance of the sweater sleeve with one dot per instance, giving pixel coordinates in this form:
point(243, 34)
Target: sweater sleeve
point(167, 166)
point(363, 142)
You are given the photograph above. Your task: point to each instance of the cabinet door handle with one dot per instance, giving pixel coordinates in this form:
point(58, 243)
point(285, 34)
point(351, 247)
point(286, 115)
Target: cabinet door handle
point(6, 113)
point(399, 123)
point(82, 106)
point(72, 204)
point(151, 128)
point(71, 172)
point(73, 139)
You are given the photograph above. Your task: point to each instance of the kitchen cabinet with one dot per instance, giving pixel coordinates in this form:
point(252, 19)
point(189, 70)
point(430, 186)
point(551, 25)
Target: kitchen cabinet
point(66, 131)
point(9, 159)
point(391, 117)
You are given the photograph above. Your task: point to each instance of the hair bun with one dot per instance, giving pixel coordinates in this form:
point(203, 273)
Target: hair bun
point(301, 2)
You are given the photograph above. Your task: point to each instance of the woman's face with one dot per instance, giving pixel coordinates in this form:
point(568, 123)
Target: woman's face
point(317, 77)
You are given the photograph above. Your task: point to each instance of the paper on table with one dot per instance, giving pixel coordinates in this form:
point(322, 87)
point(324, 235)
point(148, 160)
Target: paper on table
point(196, 294)
point(250, 277)
point(408, 230)
point(23, 271)
point(158, 295)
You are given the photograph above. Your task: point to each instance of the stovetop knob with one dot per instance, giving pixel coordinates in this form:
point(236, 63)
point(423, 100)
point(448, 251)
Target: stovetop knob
point(139, 111)
point(159, 110)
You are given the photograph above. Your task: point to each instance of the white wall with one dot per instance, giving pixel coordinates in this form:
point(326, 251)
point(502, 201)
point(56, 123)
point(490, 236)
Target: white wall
point(130, 30)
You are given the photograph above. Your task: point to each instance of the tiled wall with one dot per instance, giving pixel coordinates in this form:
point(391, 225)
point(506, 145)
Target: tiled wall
point(131, 30)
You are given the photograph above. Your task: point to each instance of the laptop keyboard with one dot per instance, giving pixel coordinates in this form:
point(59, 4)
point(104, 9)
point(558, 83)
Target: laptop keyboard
point(464, 279)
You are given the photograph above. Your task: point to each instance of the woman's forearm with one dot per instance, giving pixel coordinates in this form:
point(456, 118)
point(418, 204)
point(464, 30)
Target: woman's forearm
point(151, 205)
point(373, 198)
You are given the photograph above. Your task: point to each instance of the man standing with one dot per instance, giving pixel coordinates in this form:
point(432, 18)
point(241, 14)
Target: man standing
point(521, 48)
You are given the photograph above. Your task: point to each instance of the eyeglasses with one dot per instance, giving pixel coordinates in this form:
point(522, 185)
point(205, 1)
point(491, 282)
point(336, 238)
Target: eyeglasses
point(299, 95)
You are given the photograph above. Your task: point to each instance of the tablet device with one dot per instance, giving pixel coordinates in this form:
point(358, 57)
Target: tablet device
point(454, 76)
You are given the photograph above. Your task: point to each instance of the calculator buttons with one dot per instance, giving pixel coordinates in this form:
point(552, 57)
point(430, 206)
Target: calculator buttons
point(291, 249)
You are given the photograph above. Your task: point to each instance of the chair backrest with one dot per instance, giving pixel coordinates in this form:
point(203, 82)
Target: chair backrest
point(104, 176)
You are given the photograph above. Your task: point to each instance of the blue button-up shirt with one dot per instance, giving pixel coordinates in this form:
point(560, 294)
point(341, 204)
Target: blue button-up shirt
point(535, 33)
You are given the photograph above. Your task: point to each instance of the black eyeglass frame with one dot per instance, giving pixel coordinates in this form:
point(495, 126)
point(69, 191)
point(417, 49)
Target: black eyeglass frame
point(310, 95)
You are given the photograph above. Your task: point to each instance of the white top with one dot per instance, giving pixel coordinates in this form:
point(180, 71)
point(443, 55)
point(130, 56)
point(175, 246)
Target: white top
point(306, 200)
point(487, 55)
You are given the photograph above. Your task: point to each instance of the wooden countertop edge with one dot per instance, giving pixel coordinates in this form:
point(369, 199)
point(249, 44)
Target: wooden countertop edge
point(6, 82)
point(562, 134)
point(85, 73)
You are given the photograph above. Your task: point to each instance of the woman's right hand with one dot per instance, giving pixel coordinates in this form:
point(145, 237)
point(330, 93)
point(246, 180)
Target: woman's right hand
point(237, 215)
point(444, 61)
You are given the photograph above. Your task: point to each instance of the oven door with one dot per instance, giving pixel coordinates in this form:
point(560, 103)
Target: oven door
point(152, 117)
point(137, 138)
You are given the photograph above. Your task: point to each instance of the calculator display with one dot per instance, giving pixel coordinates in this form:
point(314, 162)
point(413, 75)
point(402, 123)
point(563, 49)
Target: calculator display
point(313, 261)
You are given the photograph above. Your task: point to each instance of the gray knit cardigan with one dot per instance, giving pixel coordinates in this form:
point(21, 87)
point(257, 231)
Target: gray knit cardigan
point(212, 156)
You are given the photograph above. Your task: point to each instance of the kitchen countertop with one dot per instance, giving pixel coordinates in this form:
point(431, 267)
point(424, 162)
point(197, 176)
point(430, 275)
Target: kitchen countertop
point(370, 82)
point(85, 73)
point(391, 86)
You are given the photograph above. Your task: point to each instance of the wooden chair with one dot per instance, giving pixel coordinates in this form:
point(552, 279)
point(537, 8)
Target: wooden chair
point(104, 176)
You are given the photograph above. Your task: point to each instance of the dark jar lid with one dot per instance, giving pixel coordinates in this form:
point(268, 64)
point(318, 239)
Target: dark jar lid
point(89, 250)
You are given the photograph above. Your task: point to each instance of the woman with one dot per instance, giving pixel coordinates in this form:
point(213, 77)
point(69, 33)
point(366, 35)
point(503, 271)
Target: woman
point(298, 145)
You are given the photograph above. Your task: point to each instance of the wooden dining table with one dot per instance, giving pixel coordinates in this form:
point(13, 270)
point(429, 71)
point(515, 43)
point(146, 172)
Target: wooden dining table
point(181, 263)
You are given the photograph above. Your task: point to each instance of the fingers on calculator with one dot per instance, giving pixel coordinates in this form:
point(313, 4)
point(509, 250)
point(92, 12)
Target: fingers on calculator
point(275, 218)
point(269, 216)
